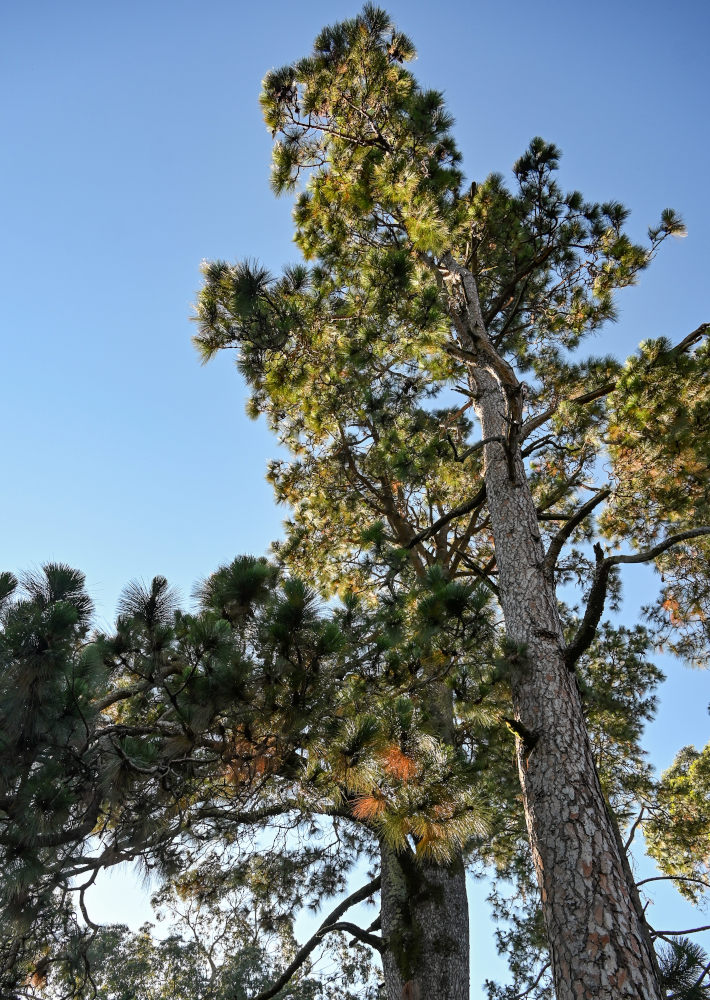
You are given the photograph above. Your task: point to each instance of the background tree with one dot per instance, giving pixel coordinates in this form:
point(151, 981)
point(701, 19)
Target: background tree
point(418, 274)
point(111, 745)
point(240, 727)
point(222, 945)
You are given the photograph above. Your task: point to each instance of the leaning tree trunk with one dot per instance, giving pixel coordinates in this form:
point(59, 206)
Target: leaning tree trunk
point(599, 942)
point(424, 913)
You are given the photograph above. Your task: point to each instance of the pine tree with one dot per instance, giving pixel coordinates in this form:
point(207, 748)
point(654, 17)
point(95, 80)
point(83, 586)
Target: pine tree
point(238, 730)
point(420, 283)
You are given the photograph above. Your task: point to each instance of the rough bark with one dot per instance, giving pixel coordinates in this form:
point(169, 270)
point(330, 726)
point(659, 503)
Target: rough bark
point(599, 942)
point(424, 928)
point(424, 907)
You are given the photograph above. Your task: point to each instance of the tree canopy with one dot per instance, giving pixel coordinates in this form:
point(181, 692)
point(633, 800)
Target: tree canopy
point(420, 283)
point(455, 460)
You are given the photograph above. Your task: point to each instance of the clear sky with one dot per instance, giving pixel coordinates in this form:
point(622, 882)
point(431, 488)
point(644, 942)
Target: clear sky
point(132, 147)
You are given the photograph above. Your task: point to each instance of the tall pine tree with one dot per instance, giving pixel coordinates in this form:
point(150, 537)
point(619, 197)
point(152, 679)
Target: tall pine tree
point(421, 283)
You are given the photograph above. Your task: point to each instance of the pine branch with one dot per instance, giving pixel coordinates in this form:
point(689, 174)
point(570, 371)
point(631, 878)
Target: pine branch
point(248, 816)
point(59, 838)
point(509, 289)
point(311, 126)
point(61, 872)
point(463, 508)
point(566, 530)
point(597, 597)
point(674, 878)
point(692, 930)
point(698, 981)
point(561, 491)
point(327, 925)
point(603, 390)
point(121, 694)
point(586, 397)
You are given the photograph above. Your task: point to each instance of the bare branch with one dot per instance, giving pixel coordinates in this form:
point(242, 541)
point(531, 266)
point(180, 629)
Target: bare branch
point(357, 932)
point(593, 612)
point(691, 930)
point(82, 905)
point(673, 878)
point(566, 530)
point(482, 572)
point(314, 941)
point(474, 447)
point(597, 597)
point(657, 550)
point(463, 508)
point(630, 838)
point(534, 445)
point(690, 340)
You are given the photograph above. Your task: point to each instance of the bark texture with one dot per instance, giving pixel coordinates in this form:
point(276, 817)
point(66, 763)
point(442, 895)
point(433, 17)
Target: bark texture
point(424, 928)
point(599, 942)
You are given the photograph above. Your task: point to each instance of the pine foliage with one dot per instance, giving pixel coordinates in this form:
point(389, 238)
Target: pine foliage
point(356, 359)
point(683, 967)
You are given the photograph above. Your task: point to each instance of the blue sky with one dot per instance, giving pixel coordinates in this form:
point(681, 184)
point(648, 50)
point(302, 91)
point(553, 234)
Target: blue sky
point(133, 147)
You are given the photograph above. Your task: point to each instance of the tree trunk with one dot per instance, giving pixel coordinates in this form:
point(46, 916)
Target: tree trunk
point(599, 942)
point(424, 927)
point(424, 906)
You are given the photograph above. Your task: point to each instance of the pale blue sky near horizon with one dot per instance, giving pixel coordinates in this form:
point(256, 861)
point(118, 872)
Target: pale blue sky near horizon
point(133, 147)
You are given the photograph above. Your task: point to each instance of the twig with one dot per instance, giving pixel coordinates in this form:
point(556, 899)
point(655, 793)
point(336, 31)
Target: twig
point(528, 991)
